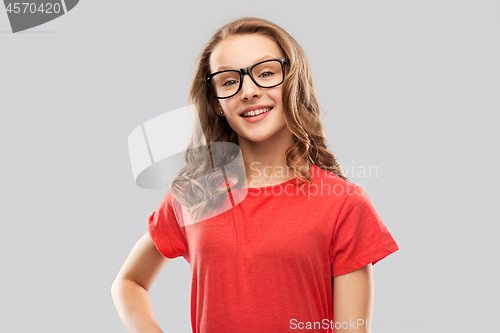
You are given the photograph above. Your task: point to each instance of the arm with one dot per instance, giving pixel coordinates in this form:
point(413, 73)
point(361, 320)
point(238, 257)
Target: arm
point(130, 289)
point(353, 300)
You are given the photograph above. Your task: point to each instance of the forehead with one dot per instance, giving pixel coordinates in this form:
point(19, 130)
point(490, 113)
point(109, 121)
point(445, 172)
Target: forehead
point(242, 51)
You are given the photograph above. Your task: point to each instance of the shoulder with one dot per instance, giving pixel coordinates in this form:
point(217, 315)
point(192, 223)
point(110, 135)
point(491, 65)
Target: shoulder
point(330, 184)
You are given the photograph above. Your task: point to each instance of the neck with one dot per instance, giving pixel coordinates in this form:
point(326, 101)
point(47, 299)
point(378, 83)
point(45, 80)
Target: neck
point(265, 161)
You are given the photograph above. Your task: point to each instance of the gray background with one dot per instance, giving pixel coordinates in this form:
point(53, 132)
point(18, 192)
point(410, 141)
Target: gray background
point(409, 87)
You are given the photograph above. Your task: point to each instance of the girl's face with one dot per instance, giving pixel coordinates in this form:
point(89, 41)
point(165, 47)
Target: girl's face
point(239, 52)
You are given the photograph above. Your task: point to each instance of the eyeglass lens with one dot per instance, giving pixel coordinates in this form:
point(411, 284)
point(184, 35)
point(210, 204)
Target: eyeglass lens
point(267, 74)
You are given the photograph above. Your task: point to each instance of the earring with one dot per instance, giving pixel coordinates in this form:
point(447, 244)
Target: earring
point(221, 112)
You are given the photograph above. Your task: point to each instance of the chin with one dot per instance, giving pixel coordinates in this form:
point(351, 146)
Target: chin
point(255, 138)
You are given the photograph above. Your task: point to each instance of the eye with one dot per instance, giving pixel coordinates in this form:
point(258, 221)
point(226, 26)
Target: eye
point(266, 74)
point(227, 83)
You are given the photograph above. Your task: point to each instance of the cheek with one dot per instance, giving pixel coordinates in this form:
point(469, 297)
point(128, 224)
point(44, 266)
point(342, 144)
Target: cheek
point(278, 94)
point(228, 105)
point(231, 119)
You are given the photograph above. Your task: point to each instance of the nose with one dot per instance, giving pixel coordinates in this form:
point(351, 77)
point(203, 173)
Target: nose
point(249, 89)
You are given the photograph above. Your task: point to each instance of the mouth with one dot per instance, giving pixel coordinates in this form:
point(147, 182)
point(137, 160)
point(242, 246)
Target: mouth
point(254, 113)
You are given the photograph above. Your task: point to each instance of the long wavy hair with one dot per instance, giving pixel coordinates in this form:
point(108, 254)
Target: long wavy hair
point(194, 186)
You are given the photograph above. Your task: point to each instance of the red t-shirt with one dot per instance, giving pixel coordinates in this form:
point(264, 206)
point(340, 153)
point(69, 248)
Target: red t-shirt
point(266, 264)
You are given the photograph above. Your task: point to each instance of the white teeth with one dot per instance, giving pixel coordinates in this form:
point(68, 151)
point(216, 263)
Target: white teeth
point(255, 112)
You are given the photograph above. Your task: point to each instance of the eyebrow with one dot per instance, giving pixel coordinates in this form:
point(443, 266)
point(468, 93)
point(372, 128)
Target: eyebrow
point(266, 57)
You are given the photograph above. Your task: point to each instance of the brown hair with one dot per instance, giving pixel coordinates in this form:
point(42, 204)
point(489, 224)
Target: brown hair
point(301, 111)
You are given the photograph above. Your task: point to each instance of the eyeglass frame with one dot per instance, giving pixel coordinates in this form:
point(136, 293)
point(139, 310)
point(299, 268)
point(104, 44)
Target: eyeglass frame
point(242, 71)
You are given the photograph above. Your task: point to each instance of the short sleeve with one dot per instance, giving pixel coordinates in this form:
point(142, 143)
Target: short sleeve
point(359, 236)
point(165, 231)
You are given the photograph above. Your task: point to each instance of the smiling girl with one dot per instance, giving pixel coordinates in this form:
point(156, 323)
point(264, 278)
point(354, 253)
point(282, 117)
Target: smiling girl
point(297, 251)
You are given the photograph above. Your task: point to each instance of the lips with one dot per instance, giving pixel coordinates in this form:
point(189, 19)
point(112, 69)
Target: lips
point(257, 118)
point(255, 107)
point(256, 112)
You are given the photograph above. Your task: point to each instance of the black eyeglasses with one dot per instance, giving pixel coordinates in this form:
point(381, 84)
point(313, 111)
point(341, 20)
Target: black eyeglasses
point(265, 74)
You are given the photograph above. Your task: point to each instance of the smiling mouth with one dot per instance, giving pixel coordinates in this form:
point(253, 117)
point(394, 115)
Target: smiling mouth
point(254, 113)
